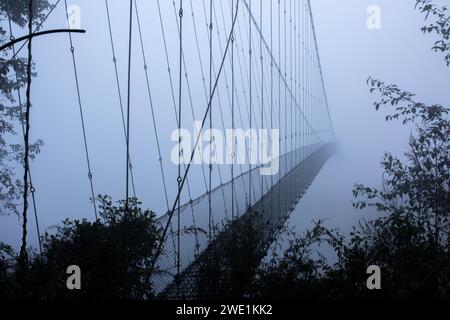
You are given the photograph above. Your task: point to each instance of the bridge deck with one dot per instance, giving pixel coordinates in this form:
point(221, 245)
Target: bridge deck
point(271, 211)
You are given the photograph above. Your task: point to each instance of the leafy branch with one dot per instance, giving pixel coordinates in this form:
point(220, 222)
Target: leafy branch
point(440, 25)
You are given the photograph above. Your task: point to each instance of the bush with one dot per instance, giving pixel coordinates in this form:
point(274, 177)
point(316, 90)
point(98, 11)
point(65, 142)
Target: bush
point(113, 253)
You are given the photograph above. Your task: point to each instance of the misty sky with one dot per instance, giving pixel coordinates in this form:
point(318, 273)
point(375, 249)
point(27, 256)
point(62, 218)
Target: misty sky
point(398, 53)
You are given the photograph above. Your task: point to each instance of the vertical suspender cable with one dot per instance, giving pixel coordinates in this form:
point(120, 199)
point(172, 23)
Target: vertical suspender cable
point(286, 153)
point(169, 71)
point(305, 85)
point(250, 101)
point(311, 110)
point(233, 156)
point(295, 89)
point(262, 136)
point(210, 214)
point(290, 77)
point(298, 71)
point(80, 108)
point(306, 128)
point(308, 92)
point(113, 51)
point(130, 38)
point(210, 226)
point(297, 49)
point(279, 93)
point(296, 93)
point(179, 179)
point(271, 98)
point(308, 109)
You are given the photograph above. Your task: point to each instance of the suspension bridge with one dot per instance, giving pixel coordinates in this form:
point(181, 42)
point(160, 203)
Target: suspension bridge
point(247, 64)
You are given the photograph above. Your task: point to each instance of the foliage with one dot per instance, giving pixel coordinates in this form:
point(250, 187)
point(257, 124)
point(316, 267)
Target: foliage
point(297, 272)
point(440, 26)
point(420, 187)
point(114, 254)
point(17, 10)
point(6, 263)
point(13, 78)
point(411, 238)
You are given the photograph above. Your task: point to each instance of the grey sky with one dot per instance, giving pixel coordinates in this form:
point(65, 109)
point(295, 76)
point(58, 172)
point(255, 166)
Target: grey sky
point(397, 53)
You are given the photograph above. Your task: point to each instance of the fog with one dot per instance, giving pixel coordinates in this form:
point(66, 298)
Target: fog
point(397, 53)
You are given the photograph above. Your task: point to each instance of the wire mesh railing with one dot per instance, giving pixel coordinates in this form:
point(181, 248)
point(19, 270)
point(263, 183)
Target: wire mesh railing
point(273, 207)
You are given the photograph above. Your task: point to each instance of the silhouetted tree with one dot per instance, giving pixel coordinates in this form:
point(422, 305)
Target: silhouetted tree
point(114, 254)
point(7, 262)
point(297, 272)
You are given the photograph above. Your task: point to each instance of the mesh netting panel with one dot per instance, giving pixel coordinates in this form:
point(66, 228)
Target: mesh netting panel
point(273, 197)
